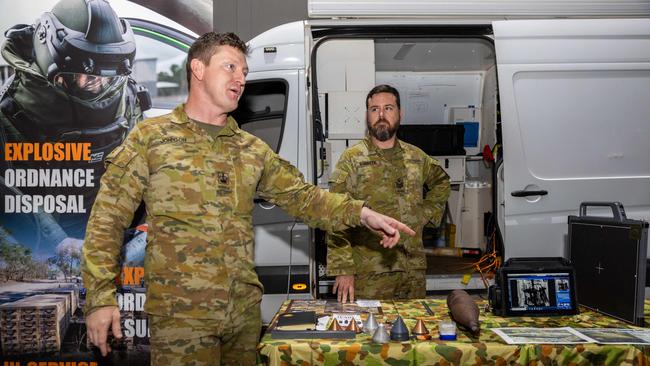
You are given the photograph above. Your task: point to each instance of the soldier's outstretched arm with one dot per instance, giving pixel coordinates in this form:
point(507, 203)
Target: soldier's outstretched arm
point(387, 227)
point(283, 184)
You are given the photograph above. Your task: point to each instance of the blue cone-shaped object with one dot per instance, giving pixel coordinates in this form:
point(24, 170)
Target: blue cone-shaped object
point(399, 332)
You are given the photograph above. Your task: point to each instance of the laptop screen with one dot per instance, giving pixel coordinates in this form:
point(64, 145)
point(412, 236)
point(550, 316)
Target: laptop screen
point(540, 292)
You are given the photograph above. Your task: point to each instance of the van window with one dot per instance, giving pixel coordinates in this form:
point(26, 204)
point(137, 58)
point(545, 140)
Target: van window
point(262, 110)
point(612, 142)
point(161, 68)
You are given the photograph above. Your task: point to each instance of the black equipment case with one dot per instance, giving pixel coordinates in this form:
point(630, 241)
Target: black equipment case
point(609, 257)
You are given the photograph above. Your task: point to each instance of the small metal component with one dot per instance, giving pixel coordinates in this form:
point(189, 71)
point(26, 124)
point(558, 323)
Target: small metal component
point(426, 306)
point(381, 335)
point(335, 325)
point(420, 331)
point(353, 326)
point(370, 325)
point(399, 332)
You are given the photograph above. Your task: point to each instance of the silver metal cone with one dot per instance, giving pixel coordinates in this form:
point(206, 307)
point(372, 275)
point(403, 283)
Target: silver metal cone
point(381, 335)
point(370, 325)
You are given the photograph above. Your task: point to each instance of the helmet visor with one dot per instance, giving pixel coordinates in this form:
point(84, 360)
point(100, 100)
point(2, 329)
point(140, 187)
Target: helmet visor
point(88, 87)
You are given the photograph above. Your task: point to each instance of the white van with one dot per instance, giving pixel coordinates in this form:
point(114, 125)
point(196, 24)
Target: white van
point(564, 87)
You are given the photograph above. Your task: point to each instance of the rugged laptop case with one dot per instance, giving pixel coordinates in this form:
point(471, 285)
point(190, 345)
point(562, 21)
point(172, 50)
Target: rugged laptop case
point(609, 257)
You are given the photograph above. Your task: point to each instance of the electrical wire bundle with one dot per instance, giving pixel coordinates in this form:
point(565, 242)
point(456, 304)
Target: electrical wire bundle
point(489, 262)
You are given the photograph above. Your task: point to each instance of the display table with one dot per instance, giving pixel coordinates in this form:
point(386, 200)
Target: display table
point(488, 348)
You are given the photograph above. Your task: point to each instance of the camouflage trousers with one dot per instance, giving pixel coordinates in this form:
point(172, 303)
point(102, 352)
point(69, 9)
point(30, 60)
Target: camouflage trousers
point(229, 342)
point(391, 285)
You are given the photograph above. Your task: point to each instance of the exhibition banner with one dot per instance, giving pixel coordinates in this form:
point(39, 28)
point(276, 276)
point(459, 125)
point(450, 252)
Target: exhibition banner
point(63, 109)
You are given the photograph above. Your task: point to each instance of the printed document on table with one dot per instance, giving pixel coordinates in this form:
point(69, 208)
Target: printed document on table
point(369, 303)
point(616, 335)
point(517, 335)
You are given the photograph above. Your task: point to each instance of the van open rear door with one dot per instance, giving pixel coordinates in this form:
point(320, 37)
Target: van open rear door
point(575, 106)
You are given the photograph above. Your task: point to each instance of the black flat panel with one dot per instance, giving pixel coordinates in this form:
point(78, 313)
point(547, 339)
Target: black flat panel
point(435, 139)
point(609, 258)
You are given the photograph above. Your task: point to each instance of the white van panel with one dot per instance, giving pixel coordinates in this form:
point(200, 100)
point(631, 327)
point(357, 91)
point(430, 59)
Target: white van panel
point(282, 244)
point(280, 48)
point(575, 114)
point(467, 8)
point(582, 41)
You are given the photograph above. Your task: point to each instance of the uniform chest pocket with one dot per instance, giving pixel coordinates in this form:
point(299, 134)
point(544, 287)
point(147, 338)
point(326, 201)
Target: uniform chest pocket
point(414, 181)
point(178, 185)
point(222, 186)
point(369, 174)
point(247, 180)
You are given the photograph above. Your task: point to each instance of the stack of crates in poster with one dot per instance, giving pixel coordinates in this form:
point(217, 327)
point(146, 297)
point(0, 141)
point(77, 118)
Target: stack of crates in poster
point(34, 324)
point(73, 295)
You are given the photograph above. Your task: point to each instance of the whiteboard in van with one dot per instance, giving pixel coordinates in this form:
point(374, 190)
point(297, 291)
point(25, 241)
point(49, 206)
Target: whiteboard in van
point(426, 97)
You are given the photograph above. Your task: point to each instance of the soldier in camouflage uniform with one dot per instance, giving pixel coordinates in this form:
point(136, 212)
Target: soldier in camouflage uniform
point(198, 173)
point(390, 175)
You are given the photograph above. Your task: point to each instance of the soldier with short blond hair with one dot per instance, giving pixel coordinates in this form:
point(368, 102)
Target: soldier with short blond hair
point(390, 175)
point(198, 173)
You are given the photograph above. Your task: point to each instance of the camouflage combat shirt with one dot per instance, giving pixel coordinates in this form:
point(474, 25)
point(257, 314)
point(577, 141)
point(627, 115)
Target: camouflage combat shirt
point(391, 182)
point(199, 193)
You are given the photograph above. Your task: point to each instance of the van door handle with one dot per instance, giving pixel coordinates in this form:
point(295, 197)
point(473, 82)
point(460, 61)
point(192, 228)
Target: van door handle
point(529, 193)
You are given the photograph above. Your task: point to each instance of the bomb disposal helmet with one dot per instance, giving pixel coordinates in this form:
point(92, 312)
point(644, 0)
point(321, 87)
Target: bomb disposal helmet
point(84, 48)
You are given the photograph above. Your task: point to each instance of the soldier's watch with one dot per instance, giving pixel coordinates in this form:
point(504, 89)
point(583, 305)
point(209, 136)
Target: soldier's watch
point(366, 205)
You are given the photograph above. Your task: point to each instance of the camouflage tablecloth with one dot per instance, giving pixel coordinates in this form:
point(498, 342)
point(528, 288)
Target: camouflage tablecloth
point(487, 349)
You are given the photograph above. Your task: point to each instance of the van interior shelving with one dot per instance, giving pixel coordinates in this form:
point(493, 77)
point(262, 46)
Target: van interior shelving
point(446, 79)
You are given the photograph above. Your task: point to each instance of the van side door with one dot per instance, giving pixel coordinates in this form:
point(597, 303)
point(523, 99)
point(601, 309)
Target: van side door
point(575, 105)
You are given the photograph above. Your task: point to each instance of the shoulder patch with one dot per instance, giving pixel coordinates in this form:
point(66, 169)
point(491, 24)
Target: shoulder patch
point(120, 157)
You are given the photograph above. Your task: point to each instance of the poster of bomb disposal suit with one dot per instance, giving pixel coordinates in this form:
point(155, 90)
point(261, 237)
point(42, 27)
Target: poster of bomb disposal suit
point(77, 75)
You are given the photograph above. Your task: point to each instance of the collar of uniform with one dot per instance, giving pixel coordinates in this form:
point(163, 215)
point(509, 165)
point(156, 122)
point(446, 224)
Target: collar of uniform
point(230, 128)
point(180, 117)
point(373, 149)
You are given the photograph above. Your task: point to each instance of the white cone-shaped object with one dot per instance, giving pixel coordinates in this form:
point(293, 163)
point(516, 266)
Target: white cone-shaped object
point(370, 325)
point(381, 335)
